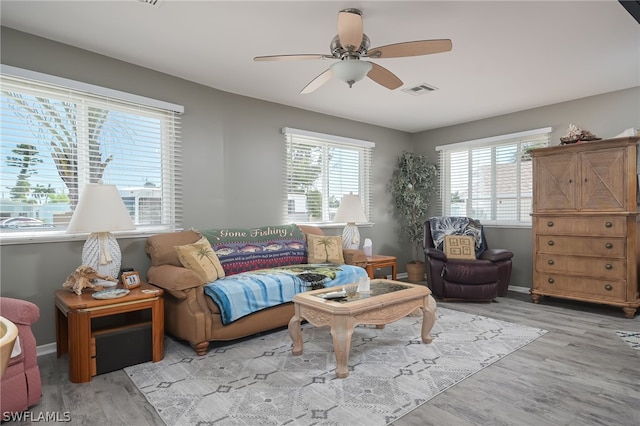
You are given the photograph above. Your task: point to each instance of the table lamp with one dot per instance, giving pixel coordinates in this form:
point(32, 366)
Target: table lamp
point(100, 211)
point(350, 212)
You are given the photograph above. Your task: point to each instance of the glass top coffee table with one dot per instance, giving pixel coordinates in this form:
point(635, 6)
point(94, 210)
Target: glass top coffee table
point(387, 302)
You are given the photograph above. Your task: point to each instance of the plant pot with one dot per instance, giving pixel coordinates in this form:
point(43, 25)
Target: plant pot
point(415, 271)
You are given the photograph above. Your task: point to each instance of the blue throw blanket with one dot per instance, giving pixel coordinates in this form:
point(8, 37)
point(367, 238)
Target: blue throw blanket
point(242, 294)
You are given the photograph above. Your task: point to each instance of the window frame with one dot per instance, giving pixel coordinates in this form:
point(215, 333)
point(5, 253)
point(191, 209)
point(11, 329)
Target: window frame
point(540, 137)
point(169, 146)
point(327, 141)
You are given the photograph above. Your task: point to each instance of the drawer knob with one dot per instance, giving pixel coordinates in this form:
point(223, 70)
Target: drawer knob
point(549, 224)
point(550, 280)
point(550, 242)
point(550, 262)
point(608, 224)
point(608, 266)
point(608, 245)
point(608, 287)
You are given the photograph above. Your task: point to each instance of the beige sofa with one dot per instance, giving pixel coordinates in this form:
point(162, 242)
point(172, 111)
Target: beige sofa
point(191, 315)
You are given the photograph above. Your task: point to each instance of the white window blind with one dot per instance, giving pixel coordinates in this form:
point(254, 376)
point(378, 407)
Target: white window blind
point(319, 170)
point(57, 138)
point(490, 179)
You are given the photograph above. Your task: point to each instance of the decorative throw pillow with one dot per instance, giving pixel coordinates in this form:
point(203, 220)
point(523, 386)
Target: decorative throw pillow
point(201, 258)
point(324, 249)
point(459, 246)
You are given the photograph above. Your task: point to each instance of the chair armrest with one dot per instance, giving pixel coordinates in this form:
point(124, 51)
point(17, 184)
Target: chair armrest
point(496, 255)
point(354, 257)
point(174, 279)
point(19, 311)
point(435, 254)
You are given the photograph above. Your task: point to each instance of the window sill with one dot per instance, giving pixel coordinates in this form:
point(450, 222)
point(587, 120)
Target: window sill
point(45, 237)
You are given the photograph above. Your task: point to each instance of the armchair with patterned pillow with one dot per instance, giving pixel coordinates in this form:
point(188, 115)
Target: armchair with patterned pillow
point(464, 267)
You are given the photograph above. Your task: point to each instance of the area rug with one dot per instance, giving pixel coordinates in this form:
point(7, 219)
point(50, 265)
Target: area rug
point(632, 338)
point(391, 372)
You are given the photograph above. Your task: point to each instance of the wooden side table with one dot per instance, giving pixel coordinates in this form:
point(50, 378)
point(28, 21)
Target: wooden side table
point(79, 318)
point(379, 261)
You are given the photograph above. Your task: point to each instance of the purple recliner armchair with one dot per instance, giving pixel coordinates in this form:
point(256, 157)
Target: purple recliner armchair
point(480, 279)
point(21, 387)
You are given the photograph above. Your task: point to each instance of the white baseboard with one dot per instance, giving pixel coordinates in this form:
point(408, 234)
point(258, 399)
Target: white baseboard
point(47, 349)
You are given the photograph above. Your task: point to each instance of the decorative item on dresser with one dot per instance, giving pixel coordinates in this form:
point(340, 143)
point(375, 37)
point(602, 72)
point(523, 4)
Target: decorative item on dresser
point(585, 230)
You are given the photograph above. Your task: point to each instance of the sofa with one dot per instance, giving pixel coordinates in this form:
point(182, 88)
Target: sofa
point(293, 258)
point(21, 386)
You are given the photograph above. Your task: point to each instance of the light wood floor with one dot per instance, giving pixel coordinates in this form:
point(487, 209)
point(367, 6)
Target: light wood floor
point(579, 373)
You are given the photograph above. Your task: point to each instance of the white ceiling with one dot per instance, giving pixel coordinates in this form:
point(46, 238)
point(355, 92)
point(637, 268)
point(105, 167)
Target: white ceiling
point(507, 56)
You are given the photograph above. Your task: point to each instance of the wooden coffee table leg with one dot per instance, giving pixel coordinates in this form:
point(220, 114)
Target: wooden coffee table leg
point(342, 330)
point(296, 334)
point(428, 318)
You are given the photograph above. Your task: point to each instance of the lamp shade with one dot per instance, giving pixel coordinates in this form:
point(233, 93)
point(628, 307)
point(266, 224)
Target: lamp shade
point(350, 210)
point(100, 209)
point(351, 70)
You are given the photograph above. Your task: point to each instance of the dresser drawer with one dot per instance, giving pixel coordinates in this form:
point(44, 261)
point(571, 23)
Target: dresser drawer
point(583, 288)
point(577, 225)
point(612, 247)
point(612, 269)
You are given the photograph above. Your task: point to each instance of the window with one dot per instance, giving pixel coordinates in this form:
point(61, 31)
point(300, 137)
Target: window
point(490, 179)
point(57, 135)
point(320, 169)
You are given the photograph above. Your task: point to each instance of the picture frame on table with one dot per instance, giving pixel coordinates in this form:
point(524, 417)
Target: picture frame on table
point(131, 279)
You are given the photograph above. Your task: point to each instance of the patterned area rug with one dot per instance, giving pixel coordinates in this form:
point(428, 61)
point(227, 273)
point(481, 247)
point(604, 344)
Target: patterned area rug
point(259, 381)
point(631, 337)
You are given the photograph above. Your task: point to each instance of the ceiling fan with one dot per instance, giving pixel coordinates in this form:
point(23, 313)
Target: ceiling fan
point(351, 44)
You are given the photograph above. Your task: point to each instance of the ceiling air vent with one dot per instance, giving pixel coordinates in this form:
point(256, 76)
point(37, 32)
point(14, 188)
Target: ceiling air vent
point(151, 2)
point(420, 89)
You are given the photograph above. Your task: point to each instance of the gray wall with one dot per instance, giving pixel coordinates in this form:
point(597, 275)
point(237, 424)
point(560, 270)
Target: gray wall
point(232, 155)
point(605, 115)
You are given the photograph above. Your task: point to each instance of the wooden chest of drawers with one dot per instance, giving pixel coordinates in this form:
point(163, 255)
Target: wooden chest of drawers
point(585, 231)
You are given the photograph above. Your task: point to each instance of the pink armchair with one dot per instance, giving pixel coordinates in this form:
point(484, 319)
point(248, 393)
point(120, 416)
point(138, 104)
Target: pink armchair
point(21, 386)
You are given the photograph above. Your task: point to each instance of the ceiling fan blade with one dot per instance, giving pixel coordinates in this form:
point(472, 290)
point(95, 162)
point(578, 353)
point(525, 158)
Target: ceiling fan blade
point(410, 48)
point(350, 29)
point(300, 57)
point(317, 82)
point(384, 77)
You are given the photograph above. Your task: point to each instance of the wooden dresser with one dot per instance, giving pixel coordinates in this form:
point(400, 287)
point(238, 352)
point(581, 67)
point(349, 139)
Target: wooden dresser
point(585, 230)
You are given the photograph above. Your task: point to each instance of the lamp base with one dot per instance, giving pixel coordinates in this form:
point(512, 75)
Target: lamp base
point(350, 236)
point(102, 252)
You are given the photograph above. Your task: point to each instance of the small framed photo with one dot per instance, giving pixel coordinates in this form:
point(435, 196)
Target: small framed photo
point(130, 279)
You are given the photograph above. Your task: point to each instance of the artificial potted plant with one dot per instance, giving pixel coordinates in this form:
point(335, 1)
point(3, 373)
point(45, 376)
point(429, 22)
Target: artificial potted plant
point(412, 185)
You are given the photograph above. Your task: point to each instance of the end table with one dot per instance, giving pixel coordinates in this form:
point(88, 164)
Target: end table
point(379, 261)
point(81, 318)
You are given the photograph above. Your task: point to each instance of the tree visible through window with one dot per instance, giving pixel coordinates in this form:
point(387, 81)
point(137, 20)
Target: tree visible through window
point(55, 139)
point(320, 169)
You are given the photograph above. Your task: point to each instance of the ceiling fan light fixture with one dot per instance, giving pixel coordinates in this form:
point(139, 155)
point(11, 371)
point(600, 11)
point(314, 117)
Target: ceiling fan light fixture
point(351, 70)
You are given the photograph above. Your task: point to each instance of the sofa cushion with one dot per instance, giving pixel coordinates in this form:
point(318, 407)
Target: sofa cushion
point(161, 247)
point(249, 249)
point(201, 258)
point(325, 249)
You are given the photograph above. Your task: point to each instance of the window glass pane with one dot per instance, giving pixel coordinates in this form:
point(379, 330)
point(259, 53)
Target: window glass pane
point(492, 180)
point(320, 170)
point(55, 140)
